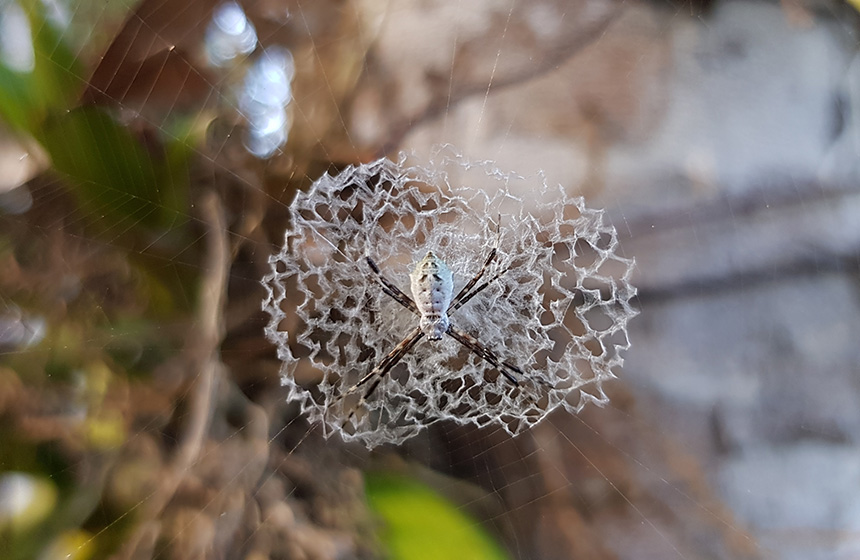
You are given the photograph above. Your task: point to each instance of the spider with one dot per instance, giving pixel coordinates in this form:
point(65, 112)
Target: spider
point(432, 286)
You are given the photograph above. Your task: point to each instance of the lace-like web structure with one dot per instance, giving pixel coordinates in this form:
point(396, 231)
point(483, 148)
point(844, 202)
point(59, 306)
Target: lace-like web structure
point(558, 309)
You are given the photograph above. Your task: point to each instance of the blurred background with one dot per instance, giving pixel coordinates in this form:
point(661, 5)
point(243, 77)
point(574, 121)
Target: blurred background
point(148, 156)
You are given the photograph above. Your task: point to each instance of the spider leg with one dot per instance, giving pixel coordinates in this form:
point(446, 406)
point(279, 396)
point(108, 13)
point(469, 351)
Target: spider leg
point(389, 288)
point(396, 354)
point(476, 347)
point(381, 370)
point(505, 368)
point(475, 292)
point(456, 302)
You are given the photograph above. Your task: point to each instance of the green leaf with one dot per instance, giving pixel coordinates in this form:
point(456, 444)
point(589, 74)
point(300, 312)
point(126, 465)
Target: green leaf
point(420, 524)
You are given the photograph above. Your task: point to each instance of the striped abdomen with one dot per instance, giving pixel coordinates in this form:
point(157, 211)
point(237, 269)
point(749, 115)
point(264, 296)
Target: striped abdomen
point(432, 289)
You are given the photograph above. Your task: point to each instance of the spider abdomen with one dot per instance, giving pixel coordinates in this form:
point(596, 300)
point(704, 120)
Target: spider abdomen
point(432, 288)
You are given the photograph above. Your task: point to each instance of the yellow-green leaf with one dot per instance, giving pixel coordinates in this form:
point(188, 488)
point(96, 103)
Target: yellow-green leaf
point(420, 524)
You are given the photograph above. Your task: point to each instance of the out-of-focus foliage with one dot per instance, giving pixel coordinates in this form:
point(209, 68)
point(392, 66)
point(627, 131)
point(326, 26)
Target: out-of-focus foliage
point(113, 440)
point(27, 98)
point(91, 286)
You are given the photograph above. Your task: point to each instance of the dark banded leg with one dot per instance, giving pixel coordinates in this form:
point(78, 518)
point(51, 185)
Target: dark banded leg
point(505, 368)
point(475, 292)
point(381, 370)
point(457, 302)
point(389, 288)
point(479, 349)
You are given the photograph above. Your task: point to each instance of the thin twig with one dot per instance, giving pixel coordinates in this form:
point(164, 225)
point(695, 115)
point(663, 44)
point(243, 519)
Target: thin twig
point(201, 353)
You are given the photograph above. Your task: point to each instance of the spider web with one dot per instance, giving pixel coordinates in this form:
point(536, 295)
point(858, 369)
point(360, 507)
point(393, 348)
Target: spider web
point(144, 403)
point(567, 338)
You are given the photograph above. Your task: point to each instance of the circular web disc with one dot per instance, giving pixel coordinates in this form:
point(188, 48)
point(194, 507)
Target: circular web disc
point(554, 309)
